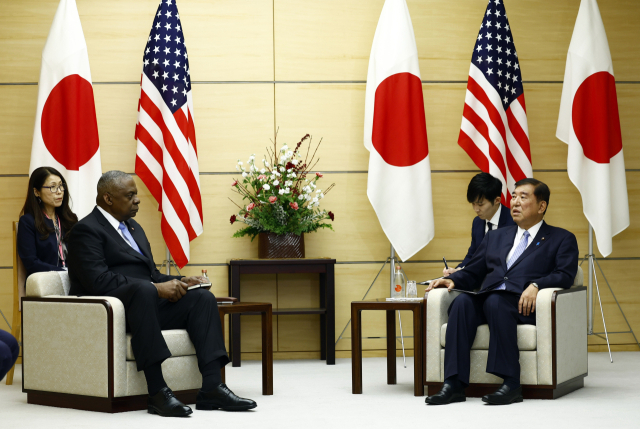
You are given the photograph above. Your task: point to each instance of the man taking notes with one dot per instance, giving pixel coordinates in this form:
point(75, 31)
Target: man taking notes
point(484, 195)
point(109, 255)
point(510, 266)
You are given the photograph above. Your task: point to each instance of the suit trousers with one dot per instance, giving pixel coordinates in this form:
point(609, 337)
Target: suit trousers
point(147, 315)
point(9, 350)
point(498, 309)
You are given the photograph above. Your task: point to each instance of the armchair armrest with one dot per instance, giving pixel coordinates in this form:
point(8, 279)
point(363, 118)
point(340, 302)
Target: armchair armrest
point(561, 327)
point(74, 345)
point(437, 304)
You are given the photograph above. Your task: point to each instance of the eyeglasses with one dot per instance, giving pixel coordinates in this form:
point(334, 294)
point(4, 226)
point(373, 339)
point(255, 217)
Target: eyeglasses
point(54, 189)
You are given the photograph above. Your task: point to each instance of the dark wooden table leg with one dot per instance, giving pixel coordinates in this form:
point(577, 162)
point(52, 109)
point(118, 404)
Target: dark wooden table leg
point(234, 322)
point(222, 372)
point(418, 349)
point(267, 353)
point(391, 347)
point(330, 287)
point(356, 350)
point(323, 317)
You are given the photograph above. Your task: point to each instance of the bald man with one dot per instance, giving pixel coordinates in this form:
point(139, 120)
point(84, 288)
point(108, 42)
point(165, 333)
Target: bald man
point(109, 255)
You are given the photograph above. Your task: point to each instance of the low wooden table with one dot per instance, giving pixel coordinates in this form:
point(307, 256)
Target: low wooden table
point(356, 341)
point(264, 308)
point(325, 267)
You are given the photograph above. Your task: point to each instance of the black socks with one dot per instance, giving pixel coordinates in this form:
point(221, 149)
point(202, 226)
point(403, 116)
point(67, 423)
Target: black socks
point(211, 376)
point(512, 382)
point(155, 380)
point(455, 383)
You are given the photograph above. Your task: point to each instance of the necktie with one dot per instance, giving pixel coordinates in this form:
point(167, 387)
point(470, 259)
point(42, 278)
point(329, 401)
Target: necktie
point(516, 254)
point(489, 227)
point(128, 238)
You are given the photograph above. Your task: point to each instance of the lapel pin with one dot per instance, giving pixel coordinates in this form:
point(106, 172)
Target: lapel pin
point(538, 243)
point(542, 238)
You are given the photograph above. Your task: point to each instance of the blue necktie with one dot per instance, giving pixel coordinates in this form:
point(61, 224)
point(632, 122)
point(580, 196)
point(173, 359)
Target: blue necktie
point(127, 236)
point(516, 254)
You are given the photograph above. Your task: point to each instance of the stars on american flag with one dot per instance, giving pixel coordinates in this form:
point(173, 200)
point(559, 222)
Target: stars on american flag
point(165, 57)
point(495, 53)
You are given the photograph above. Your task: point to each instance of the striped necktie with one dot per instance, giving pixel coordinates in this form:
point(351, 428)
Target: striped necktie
point(516, 254)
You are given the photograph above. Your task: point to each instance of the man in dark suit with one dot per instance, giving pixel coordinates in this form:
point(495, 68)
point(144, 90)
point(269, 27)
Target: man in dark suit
point(483, 193)
point(509, 267)
point(109, 255)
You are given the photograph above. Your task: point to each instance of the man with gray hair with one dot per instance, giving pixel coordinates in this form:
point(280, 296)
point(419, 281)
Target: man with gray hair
point(109, 255)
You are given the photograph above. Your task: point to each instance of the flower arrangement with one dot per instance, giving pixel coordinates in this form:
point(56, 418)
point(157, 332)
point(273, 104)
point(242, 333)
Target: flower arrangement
point(282, 197)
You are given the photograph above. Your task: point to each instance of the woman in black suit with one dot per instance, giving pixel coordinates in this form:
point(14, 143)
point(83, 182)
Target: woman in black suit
point(45, 222)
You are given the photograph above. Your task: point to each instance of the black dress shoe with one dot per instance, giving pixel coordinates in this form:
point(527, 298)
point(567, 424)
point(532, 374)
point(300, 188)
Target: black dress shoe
point(164, 403)
point(446, 395)
point(222, 397)
point(504, 396)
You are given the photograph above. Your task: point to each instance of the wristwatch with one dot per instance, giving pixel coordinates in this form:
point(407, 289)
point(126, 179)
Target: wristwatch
point(535, 285)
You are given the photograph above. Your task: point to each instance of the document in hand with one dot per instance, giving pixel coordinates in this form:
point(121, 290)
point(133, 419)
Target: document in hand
point(201, 285)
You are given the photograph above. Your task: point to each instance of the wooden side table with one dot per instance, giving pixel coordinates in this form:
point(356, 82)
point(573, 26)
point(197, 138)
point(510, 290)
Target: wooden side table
point(325, 267)
point(356, 341)
point(264, 308)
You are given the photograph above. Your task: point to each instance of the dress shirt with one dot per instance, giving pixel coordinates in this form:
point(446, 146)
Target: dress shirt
point(114, 223)
point(532, 234)
point(495, 220)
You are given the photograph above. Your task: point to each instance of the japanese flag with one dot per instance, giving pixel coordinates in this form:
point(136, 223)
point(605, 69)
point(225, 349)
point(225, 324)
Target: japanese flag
point(395, 134)
point(66, 131)
point(589, 123)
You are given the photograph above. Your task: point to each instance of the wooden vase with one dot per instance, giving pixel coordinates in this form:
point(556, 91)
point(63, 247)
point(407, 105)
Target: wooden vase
point(274, 246)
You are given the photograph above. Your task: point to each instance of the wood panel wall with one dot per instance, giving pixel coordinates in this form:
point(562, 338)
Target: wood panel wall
point(300, 66)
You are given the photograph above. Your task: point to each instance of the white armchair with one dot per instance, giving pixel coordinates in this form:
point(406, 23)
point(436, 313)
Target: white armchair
point(553, 353)
point(77, 354)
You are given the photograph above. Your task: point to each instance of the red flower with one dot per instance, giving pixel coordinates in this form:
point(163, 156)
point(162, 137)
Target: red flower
point(319, 174)
point(289, 165)
point(294, 206)
point(273, 199)
point(233, 219)
point(235, 183)
point(251, 207)
point(331, 215)
point(246, 215)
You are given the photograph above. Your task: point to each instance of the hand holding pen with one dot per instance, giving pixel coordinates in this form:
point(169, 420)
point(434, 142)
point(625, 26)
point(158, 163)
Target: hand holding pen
point(446, 271)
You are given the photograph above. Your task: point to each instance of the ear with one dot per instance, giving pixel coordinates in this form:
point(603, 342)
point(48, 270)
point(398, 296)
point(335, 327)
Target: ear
point(36, 193)
point(542, 207)
point(497, 200)
point(107, 199)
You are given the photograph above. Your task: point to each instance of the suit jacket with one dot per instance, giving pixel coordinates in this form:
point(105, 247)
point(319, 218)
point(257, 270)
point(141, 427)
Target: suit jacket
point(551, 260)
point(37, 255)
point(477, 232)
point(100, 262)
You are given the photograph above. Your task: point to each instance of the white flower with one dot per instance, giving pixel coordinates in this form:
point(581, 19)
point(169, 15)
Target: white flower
point(266, 187)
point(321, 196)
point(315, 200)
point(266, 163)
point(289, 171)
point(318, 191)
point(252, 157)
point(288, 183)
point(306, 189)
point(276, 183)
point(289, 154)
point(307, 197)
point(253, 168)
point(294, 161)
point(313, 185)
point(275, 173)
point(284, 148)
point(239, 162)
point(281, 191)
point(301, 197)
point(238, 167)
point(263, 171)
point(282, 169)
point(244, 174)
point(291, 175)
point(287, 190)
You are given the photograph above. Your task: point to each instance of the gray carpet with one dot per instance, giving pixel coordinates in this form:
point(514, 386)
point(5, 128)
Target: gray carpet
point(310, 394)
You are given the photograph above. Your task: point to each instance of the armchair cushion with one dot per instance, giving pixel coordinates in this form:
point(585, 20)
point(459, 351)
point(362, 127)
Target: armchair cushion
point(177, 340)
point(527, 335)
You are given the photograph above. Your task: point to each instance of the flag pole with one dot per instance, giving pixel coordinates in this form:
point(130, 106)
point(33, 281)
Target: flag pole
point(593, 261)
point(392, 285)
point(168, 262)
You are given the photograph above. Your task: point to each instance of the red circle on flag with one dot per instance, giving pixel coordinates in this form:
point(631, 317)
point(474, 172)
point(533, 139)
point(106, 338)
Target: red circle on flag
point(596, 121)
point(69, 127)
point(399, 131)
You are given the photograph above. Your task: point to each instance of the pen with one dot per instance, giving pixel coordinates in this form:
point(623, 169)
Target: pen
point(445, 263)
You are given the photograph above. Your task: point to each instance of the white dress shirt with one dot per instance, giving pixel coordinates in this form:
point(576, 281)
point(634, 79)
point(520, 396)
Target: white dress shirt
point(532, 234)
point(114, 223)
point(494, 221)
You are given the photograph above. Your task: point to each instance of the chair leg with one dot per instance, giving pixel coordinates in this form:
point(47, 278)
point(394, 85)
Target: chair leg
point(16, 330)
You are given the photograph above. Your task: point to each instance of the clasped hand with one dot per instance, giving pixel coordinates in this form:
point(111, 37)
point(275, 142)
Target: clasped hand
point(173, 290)
point(527, 303)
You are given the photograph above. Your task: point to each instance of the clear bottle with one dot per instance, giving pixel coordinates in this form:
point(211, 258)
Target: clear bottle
point(204, 274)
point(399, 284)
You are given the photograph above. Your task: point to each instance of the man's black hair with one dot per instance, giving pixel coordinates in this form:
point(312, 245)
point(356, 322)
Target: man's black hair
point(484, 185)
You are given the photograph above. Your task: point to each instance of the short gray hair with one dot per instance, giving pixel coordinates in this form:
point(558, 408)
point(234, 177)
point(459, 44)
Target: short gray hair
point(110, 181)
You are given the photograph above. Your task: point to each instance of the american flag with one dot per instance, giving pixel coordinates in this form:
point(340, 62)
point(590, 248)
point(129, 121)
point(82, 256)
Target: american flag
point(166, 157)
point(494, 130)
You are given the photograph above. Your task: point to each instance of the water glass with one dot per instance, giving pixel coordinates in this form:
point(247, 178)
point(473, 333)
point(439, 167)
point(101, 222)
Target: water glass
point(412, 291)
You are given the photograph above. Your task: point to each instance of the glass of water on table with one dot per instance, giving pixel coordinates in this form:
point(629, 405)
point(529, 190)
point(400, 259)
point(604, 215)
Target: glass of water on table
point(412, 291)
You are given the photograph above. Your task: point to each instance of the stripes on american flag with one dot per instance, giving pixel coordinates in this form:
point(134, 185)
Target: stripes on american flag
point(494, 130)
point(166, 156)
